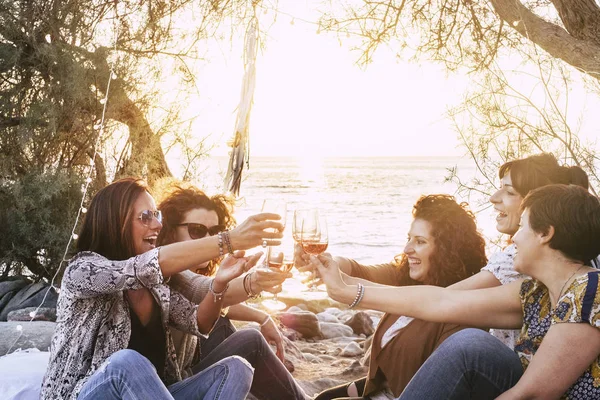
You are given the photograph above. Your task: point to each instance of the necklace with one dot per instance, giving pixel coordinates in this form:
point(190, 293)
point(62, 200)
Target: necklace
point(565, 284)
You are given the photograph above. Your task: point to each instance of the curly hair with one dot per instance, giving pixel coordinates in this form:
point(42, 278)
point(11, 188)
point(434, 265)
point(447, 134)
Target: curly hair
point(459, 248)
point(181, 198)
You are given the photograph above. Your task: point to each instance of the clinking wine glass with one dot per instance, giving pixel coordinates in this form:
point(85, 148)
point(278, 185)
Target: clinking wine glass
point(276, 207)
point(275, 259)
point(314, 237)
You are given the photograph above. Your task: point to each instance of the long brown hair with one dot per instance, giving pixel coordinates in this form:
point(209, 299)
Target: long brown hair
point(106, 228)
point(540, 170)
point(459, 248)
point(179, 200)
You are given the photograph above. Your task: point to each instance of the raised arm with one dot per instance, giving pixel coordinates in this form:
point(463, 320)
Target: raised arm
point(498, 307)
point(498, 271)
point(566, 352)
point(180, 256)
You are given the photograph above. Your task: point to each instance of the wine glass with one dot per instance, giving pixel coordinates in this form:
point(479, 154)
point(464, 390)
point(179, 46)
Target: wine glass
point(297, 223)
point(314, 237)
point(275, 259)
point(276, 207)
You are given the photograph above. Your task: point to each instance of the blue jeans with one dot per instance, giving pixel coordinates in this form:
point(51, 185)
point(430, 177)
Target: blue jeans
point(471, 364)
point(271, 379)
point(129, 375)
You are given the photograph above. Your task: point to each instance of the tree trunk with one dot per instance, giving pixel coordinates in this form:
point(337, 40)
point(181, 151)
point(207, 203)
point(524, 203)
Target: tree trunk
point(147, 157)
point(582, 53)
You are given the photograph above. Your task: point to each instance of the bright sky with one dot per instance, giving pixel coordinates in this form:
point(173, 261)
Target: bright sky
point(312, 98)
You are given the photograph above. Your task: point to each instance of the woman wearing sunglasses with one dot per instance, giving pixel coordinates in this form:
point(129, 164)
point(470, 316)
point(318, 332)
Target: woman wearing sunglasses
point(190, 214)
point(112, 339)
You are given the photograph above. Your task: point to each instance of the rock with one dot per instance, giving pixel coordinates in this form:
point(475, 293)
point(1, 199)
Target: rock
point(311, 350)
point(355, 368)
point(8, 289)
point(337, 363)
point(290, 334)
point(312, 358)
point(326, 358)
point(352, 350)
point(289, 365)
point(297, 308)
point(345, 315)
point(42, 314)
point(333, 311)
point(315, 305)
point(361, 323)
point(34, 334)
point(29, 296)
point(304, 322)
point(331, 330)
point(326, 317)
point(342, 341)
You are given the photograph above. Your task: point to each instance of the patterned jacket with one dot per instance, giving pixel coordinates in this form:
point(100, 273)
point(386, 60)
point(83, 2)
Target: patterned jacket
point(93, 320)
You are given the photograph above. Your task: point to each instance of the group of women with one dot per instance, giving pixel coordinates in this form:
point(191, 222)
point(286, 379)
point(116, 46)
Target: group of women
point(140, 316)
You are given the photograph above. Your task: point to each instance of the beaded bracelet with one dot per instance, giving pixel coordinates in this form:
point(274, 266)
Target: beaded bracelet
point(217, 296)
point(227, 241)
point(360, 292)
point(220, 237)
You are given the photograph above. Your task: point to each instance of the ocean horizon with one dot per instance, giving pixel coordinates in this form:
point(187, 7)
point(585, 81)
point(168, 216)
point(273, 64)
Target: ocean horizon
point(367, 200)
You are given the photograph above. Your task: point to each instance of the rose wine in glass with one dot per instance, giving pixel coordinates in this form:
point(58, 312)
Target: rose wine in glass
point(275, 259)
point(314, 237)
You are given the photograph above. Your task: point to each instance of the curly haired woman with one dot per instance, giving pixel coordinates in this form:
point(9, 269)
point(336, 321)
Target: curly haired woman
point(189, 214)
point(443, 248)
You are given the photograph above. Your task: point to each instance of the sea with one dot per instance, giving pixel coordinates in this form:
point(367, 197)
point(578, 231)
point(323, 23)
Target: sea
point(367, 200)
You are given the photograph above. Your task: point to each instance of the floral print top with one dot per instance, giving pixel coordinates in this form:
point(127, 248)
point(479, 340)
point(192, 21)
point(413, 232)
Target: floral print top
point(501, 264)
point(580, 304)
point(93, 319)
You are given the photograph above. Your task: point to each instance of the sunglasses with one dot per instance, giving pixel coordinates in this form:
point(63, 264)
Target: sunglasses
point(147, 216)
point(198, 231)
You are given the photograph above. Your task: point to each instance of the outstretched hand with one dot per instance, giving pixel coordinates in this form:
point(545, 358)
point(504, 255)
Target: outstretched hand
point(329, 272)
point(234, 266)
point(268, 280)
point(255, 229)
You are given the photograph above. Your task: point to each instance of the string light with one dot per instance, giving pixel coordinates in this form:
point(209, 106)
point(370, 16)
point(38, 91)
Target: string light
point(84, 189)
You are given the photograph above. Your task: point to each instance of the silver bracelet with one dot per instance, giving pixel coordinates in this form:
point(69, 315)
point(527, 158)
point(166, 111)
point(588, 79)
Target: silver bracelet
point(360, 292)
point(217, 296)
point(265, 321)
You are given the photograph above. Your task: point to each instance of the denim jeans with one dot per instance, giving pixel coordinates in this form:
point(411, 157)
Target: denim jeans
point(221, 331)
point(471, 364)
point(129, 375)
point(271, 379)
